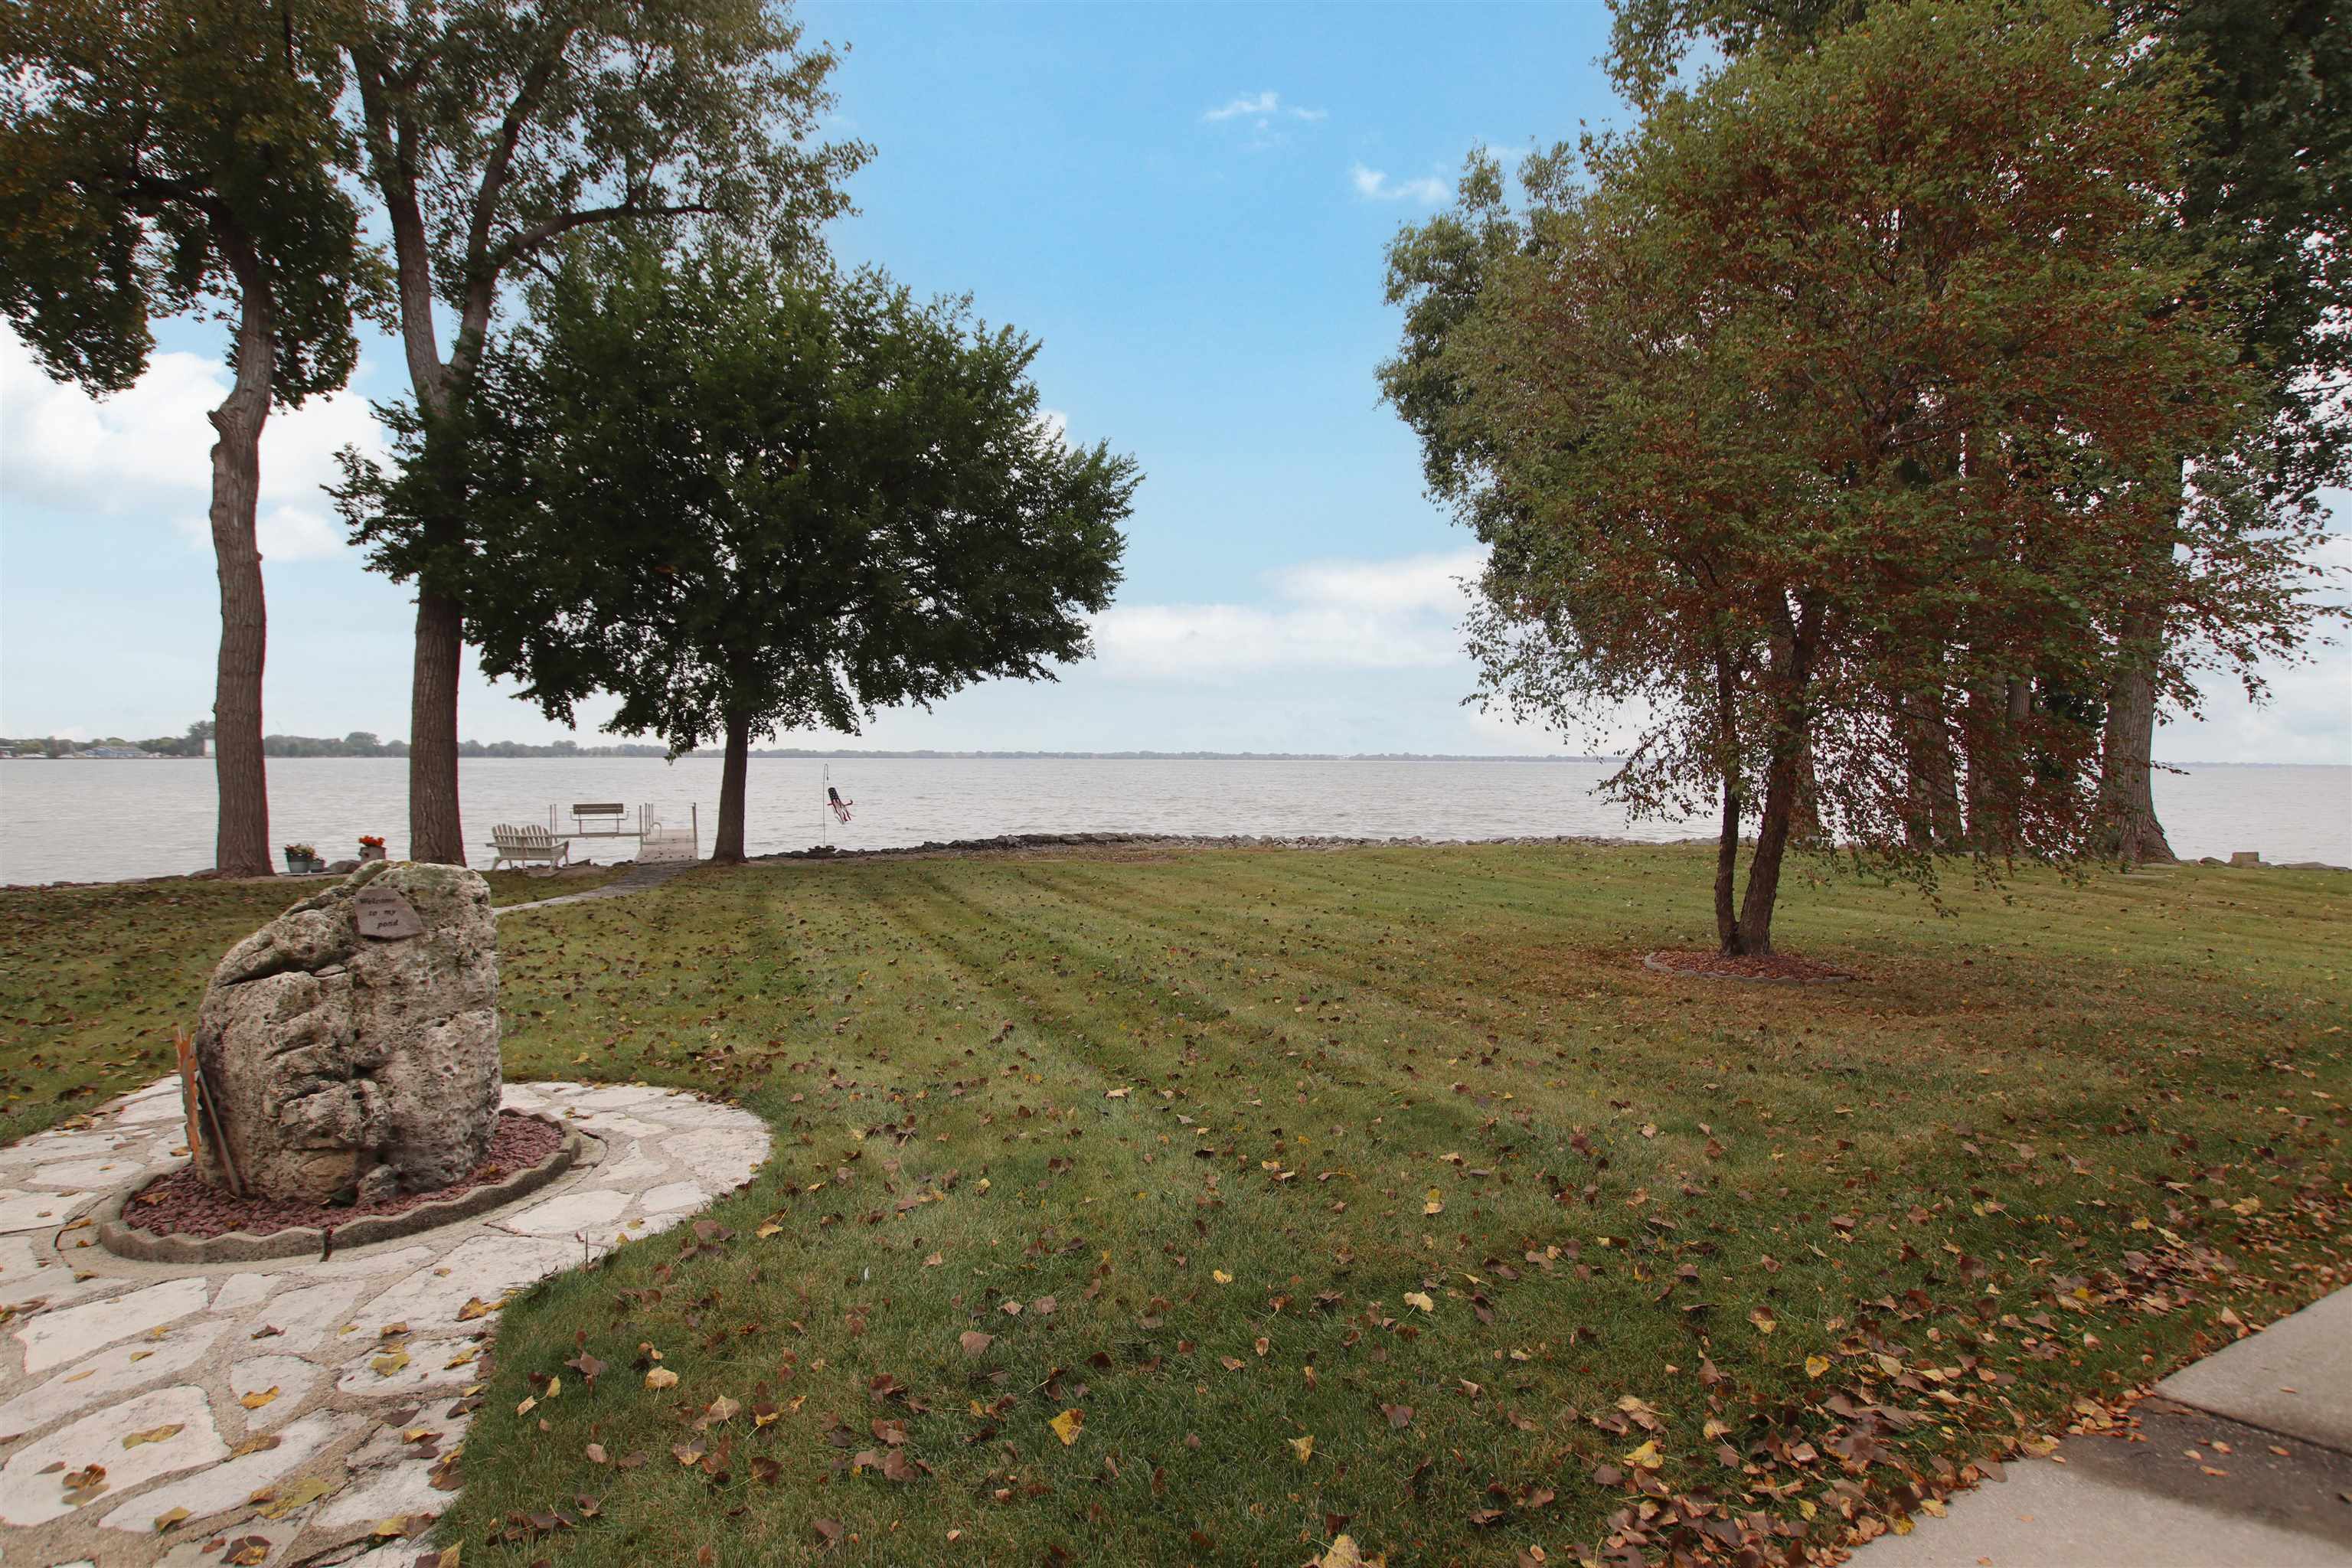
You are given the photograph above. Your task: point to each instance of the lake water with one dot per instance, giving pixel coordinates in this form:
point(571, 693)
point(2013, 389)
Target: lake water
point(99, 821)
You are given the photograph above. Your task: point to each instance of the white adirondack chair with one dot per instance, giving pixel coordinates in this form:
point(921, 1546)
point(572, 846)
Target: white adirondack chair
point(528, 846)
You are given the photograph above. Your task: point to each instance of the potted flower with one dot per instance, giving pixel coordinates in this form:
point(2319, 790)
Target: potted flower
point(302, 860)
point(371, 847)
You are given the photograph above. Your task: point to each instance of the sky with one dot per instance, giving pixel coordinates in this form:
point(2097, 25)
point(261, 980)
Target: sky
point(1189, 206)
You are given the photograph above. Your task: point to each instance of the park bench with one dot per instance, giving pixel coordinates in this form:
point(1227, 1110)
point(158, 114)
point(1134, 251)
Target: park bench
point(528, 845)
point(599, 819)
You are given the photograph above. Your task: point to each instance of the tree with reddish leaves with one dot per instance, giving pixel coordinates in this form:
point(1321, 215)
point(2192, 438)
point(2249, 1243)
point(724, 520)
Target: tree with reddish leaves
point(2265, 190)
point(1838, 412)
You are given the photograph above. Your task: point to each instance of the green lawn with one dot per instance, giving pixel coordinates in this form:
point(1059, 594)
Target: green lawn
point(1397, 1150)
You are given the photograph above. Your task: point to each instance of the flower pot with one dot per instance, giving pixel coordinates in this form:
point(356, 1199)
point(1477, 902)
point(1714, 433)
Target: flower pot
point(371, 852)
point(303, 865)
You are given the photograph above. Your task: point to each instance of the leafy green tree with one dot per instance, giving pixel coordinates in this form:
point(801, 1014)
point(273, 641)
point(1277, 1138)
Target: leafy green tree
point(1844, 399)
point(2264, 190)
point(744, 498)
point(492, 128)
point(157, 158)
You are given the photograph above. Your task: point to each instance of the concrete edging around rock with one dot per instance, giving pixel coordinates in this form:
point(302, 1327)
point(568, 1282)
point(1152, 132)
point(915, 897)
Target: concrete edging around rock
point(302, 1240)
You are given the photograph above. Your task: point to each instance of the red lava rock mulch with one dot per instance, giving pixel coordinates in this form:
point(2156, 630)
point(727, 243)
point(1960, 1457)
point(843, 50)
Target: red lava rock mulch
point(1780, 966)
point(181, 1203)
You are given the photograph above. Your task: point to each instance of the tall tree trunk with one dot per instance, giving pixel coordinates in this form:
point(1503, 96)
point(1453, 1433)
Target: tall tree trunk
point(2127, 745)
point(241, 844)
point(1726, 843)
point(1727, 865)
point(2134, 835)
point(1783, 783)
point(434, 832)
point(726, 846)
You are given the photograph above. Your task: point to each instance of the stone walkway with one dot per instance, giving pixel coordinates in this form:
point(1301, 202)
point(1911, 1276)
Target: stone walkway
point(2240, 1460)
point(640, 878)
point(298, 1411)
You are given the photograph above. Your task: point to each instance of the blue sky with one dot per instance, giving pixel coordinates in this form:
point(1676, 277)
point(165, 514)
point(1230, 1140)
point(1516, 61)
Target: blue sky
point(1188, 205)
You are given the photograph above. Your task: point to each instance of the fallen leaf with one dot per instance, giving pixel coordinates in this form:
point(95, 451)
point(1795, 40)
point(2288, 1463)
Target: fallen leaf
point(1065, 1425)
point(1420, 1299)
point(974, 1342)
point(152, 1435)
point(661, 1377)
point(256, 1400)
point(1304, 1447)
point(1342, 1552)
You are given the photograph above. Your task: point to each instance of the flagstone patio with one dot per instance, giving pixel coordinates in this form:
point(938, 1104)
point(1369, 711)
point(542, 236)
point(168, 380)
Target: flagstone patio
point(302, 1410)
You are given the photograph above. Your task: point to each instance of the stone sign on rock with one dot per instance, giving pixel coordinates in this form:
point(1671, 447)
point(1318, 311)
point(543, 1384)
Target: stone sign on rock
point(385, 915)
point(349, 1049)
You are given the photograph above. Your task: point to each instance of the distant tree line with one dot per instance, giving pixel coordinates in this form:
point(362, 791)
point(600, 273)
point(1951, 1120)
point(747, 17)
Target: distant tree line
point(358, 743)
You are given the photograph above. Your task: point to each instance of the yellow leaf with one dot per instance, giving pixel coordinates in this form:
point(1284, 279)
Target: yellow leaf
point(395, 1526)
point(1816, 1365)
point(152, 1435)
point(661, 1377)
point(474, 1307)
point(1764, 1321)
point(1343, 1552)
point(1221, 1277)
point(164, 1522)
point(1065, 1425)
point(300, 1495)
point(1420, 1299)
point(448, 1559)
point(769, 1229)
point(1646, 1457)
point(255, 1400)
point(1901, 1525)
point(1304, 1447)
point(390, 1362)
point(526, 1407)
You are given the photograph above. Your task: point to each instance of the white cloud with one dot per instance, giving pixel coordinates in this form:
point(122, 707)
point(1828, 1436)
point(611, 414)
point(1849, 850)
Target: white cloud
point(149, 450)
point(1373, 185)
point(1262, 111)
point(1328, 614)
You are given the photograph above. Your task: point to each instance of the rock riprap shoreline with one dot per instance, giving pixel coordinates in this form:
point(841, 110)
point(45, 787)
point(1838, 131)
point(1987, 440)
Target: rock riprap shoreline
point(295, 1411)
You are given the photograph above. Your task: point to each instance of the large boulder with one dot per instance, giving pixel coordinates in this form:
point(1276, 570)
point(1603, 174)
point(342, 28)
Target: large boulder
point(350, 1047)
